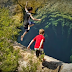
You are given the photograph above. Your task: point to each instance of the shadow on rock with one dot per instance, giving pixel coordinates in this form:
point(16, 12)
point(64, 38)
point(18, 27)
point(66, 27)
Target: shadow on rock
point(52, 65)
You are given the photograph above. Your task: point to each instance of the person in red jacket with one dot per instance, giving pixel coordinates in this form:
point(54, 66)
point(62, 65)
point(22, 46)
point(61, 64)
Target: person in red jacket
point(39, 40)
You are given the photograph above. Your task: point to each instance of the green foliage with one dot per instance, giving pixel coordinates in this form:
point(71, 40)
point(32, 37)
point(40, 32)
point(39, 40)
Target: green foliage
point(8, 30)
point(71, 58)
point(54, 18)
point(42, 56)
point(8, 27)
point(9, 60)
point(31, 66)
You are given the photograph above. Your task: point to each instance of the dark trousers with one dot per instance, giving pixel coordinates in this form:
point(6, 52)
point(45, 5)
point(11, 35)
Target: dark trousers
point(38, 52)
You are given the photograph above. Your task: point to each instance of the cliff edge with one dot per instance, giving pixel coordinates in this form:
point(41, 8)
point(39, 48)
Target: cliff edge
point(50, 65)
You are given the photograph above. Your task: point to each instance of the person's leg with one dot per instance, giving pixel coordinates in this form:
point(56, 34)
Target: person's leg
point(23, 35)
point(31, 24)
point(42, 55)
point(37, 53)
point(26, 31)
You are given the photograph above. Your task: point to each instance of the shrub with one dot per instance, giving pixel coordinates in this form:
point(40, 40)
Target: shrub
point(31, 66)
point(8, 31)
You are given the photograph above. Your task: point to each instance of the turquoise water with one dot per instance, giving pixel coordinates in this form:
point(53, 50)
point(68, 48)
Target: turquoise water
point(58, 37)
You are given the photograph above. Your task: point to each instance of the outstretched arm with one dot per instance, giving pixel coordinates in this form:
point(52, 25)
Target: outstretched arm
point(30, 44)
point(26, 7)
point(34, 18)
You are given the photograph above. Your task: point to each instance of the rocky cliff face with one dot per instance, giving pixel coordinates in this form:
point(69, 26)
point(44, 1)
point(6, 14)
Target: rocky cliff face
point(50, 65)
